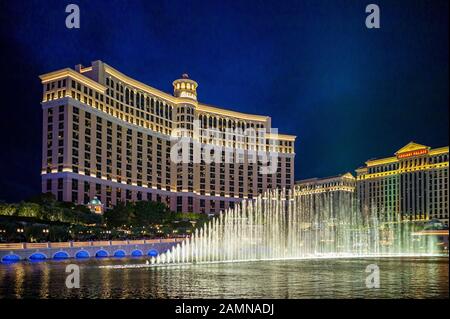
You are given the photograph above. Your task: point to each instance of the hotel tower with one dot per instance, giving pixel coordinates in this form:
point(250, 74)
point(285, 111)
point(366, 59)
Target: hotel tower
point(109, 136)
point(412, 183)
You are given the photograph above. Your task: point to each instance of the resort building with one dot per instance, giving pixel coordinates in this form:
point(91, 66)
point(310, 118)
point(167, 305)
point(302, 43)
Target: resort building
point(109, 136)
point(345, 183)
point(412, 183)
point(330, 199)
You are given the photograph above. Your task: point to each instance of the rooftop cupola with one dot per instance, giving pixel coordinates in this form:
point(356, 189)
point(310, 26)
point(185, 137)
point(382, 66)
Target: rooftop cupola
point(185, 87)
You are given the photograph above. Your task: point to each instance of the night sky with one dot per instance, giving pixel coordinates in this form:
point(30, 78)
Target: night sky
point(347, 92)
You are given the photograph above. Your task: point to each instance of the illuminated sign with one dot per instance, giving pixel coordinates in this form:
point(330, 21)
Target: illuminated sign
point(413, 153)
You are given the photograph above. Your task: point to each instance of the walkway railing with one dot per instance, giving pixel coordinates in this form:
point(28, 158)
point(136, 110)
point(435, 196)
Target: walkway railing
point(16, 246)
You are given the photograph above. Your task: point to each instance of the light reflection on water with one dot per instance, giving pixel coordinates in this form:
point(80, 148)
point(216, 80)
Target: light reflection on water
point(408, 277)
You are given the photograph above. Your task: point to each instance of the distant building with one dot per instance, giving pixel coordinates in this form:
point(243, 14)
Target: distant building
point(331, 197)
point(334, 184)
point(412, 183)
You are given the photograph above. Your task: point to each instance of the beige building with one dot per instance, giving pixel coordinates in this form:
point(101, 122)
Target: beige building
point(334, 184)
point(113, 137)
point(328, 199)
point(412, 183)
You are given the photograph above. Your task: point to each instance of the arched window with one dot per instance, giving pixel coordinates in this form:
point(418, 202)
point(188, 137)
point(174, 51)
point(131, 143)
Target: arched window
point(132, 99)
point(127, 96)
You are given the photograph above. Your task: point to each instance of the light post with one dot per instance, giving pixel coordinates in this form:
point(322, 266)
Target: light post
point(20, 232)
point(45, 233)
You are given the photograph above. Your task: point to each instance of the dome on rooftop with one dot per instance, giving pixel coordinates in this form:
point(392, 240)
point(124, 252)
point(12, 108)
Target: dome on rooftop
point(95, 201)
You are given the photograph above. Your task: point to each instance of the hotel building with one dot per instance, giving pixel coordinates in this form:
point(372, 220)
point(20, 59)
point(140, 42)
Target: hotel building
point(344, 183)
point(328, 197)
point(412, 183)
point(109, 136)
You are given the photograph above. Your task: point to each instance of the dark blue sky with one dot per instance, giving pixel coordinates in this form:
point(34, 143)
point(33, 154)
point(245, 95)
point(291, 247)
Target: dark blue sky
point(347, 92)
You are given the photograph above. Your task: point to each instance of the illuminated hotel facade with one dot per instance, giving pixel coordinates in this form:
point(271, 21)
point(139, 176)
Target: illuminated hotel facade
point(329, 196)
point(109, 136)
point(412, 183)
point(344, 183)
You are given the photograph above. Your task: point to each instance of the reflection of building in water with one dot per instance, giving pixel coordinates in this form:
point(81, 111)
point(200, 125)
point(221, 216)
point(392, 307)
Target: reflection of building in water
point(413, 183)
point(108, 135)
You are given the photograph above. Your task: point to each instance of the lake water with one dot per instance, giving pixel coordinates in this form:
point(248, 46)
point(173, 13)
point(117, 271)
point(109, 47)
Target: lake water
point(406, 277)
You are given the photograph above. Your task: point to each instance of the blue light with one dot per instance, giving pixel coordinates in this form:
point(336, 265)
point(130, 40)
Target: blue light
point(136, 253)
point(119, 253)
point(61, 255)
point(37, 257)
point(153, 253)
point(10, 259)
point(82, 254)
point(101, 253)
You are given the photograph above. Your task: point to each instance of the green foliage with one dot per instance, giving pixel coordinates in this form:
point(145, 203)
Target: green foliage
point(141, 213)
point(148, 212)
point(29, 210)
point(66, 221)
point(46, 208)
point(118, 216)
point(7, 209)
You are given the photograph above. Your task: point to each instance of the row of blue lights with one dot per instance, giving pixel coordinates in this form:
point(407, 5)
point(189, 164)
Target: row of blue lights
point(82, 254)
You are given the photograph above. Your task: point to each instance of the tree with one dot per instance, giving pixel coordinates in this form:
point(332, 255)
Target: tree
point(149, 212)
point(44, 199)
point(29, 210)
point(8, 209)
point(118, 216)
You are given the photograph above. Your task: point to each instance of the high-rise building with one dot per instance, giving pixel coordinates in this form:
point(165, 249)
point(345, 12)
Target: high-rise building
point(109, 136)
point(330, 199)
point(412, 183)
point(345, 183)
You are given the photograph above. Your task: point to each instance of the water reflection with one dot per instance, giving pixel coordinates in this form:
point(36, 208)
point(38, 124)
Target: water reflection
point(323, 278)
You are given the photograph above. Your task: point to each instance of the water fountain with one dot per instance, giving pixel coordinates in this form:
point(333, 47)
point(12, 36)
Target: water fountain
point(281, 225)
